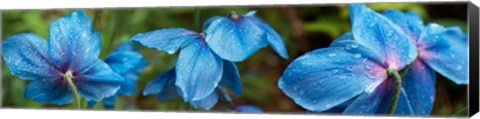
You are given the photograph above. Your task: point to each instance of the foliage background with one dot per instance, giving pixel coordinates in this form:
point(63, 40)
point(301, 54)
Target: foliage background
point(304, 28)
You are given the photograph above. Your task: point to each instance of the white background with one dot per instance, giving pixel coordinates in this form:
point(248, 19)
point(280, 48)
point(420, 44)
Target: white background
point(70, 114)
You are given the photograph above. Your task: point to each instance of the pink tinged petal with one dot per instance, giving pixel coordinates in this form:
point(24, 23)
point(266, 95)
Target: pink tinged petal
point(385, 38)
point(445, 51)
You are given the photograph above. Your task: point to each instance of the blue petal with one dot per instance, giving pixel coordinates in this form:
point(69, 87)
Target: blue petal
point(231, 78)
point(199, 71)
point(248, 109)
point(157, 85)
point(222, 94)
point(327, 77)
point(367, 103)
point(403, 107)
point(163, 86)
point(129, 85)
point(410, 22)
point(445, 51)
point(209, 21)
point(72, 43)
point(274, 39)
point(124, 61)
point(382, 36)
point(91, 104)
point(419, 85)
point(207, 103)
point(26, 57)
point(126, 46)
point(347, 43)
point(234, 39)
point(98, 82)
point(109, 103)
point(51, 91)
point(167, 40)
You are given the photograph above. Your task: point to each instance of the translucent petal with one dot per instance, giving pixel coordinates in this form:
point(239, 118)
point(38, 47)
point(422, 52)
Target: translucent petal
point(378, 33)
point(26, 57)
point(97, 82)
point(445, 51)
point(231, 78)
point(192, 77)
point(327, 77)
point(419, 85)
point(234, 39)
point(72, 43)
point(167, 40)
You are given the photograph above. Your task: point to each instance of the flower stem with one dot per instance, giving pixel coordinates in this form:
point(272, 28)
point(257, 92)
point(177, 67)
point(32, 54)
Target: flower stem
point(396, 94)
point(77, 100)
point(197, 20)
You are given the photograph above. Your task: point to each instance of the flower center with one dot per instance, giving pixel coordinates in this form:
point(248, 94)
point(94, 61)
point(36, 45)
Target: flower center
point(68, 75)
point(233, 15)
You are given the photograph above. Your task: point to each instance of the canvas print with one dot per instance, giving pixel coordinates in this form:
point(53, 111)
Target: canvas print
point(400, 59)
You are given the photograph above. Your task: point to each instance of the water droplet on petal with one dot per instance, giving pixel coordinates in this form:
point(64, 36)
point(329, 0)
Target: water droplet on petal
point(357, 55)
point(332, 54)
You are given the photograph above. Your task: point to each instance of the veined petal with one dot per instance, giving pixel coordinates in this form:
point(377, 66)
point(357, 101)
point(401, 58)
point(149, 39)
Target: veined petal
point(167, 40)
point(445, 51)
point(403, 106)
point(231, 78)
point(347, 43)
point(234, 39)
point(210, 20)
point(51, 91)
point(72, 43)
point(274, 39)
point(367, 103)
point(26, 57)
point(193, 78)
point(382, 36)
point(163, 86)
point(410, 22)
point(419, 85)
point(97, 82)
point(207, 103)
point(327, 77)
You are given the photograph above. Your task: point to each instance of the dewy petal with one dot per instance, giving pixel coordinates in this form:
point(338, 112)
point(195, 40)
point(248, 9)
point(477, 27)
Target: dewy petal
point(207, 103)
point(347, 43)
point(403, 106)
point(26, 57)
point(98, 82)
point(124, 61)
point(167, 40)
point(410, 22)
point(163, 86)
point(51, 91)
point(419, 85)
point(367, 103)
point(199, 71)
point(231, 78)
point(382, 36)
point(446, 51)
point(210, 20)
point(72, 43)
point(274, 39)
point(327, 77)
point(234, 39)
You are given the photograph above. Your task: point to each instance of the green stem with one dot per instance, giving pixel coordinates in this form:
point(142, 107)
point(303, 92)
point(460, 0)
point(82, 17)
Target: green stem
point(77, 100)
point(398, 86)
point(197, 20)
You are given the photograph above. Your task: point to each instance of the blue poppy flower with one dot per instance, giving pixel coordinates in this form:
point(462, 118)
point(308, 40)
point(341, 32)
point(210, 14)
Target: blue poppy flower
point(129, 64)
point(193, 79)
point(235, 38)
point(442, 50)
point(165, 89)
point(354, 68)
point(71, 52)
point(247, 109)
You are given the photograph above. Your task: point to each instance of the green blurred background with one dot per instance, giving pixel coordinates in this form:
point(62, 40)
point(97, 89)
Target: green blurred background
point(303, 28)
